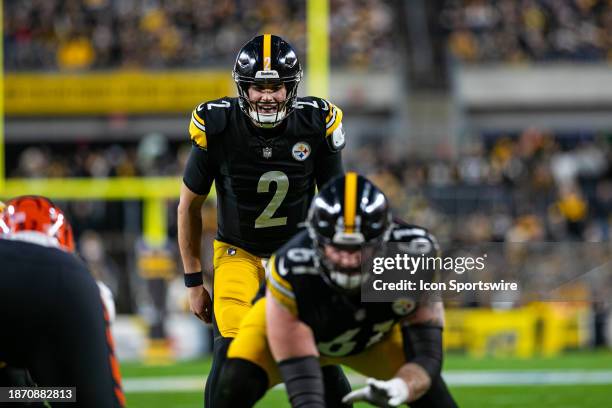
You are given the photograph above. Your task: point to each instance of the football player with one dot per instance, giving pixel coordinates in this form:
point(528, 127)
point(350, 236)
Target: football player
point(312, 314)
point(266, 151)
point(56, 325)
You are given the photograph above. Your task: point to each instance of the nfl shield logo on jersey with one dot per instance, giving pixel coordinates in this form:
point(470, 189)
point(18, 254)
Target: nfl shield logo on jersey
point(267, 152)
point(300, 151)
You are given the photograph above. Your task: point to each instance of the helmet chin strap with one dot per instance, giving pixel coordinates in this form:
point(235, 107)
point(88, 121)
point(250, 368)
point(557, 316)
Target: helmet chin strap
point(267, 120)
point(346, 280)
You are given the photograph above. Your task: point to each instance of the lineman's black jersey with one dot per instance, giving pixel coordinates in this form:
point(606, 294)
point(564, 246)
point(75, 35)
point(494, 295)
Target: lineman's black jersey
point(341, 325)
point(264, 179)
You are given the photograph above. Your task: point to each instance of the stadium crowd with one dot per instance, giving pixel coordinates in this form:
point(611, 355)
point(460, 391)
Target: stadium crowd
point(528, 30)
point(77, 35)
point(529, 187)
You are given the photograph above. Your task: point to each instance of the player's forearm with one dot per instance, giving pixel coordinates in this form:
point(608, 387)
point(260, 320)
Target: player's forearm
point(288, 337)
point(422, 335)
point(190, 235)
point(293, 347)
point(290, 345)
point(416, 378)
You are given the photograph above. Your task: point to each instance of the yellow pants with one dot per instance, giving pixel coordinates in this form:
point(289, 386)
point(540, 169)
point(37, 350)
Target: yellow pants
point(237, 278)
point(382, 360)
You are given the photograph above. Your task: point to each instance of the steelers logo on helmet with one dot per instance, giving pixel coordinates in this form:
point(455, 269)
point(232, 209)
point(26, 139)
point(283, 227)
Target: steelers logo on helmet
point(300, 151)
point(267, 62)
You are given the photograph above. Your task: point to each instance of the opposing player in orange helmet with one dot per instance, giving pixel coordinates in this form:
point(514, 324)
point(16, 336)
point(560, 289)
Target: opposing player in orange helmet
point(58, 328)
point(36, 219)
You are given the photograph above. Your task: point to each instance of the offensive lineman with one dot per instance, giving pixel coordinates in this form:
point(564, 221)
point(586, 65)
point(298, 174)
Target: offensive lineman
point(266, 151)
point(312, 314)
point(54, 323)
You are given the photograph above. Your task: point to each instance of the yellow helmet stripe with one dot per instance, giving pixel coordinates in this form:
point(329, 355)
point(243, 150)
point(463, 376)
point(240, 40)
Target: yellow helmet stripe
point(267, 52)
point(350, 201)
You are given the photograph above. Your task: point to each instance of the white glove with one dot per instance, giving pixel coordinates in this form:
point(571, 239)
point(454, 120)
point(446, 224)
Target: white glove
point(392, 393)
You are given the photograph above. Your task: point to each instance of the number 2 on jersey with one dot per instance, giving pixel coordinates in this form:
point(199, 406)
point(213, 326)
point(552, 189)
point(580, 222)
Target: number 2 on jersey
point(266, 219)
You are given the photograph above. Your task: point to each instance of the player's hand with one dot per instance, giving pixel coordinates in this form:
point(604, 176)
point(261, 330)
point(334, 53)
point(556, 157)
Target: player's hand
point(200, 303)
point(392, 393)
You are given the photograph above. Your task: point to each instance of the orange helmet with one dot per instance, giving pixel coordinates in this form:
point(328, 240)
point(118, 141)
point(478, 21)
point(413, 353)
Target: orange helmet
point(39, 215)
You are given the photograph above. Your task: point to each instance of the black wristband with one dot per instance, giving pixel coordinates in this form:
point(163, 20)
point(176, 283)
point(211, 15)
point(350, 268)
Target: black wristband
point(423, 346)
point(304, 381)
point(194, 279)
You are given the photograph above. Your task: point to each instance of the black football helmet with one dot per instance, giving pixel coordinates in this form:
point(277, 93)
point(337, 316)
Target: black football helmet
point(267, 60)
point(349, 213)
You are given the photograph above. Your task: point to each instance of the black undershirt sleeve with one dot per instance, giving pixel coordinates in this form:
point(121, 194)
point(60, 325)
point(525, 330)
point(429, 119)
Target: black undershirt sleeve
point(423, 346)
point(199, 174)
point(304, 382)
point(328, 166)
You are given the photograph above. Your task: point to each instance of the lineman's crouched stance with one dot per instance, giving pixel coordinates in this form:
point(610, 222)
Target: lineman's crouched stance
point(312, 315)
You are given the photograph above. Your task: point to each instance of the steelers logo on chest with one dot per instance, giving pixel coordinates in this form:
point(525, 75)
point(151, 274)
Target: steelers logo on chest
point(300, 151)
point(403, 306)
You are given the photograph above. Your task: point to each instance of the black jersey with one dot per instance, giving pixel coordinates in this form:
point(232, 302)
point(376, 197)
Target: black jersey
point(53, 323)
point(341, 325)
point(264, 179)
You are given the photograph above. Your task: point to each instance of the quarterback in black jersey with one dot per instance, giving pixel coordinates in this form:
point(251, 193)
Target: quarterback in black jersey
point(266, 151)
point(312, 314)
point(54, 324)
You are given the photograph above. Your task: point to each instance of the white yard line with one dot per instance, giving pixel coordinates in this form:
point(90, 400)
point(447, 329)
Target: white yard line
point(532, 377)
point(453, 378)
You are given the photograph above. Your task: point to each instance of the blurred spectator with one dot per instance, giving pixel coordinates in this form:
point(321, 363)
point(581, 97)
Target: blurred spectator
point(76, 53)
point(528, 30)
point(572, 206)
point(93, 251)
point(602, 206)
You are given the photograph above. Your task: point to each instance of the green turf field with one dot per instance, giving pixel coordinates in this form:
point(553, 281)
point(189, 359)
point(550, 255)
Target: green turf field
point(524, 396)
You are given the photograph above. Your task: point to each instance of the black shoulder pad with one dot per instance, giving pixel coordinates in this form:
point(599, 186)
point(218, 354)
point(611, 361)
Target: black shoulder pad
point(216, 113)
point(313, 104)
point(419, 240)
point(328, 116)
point(297, 256)
point(210, 118)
